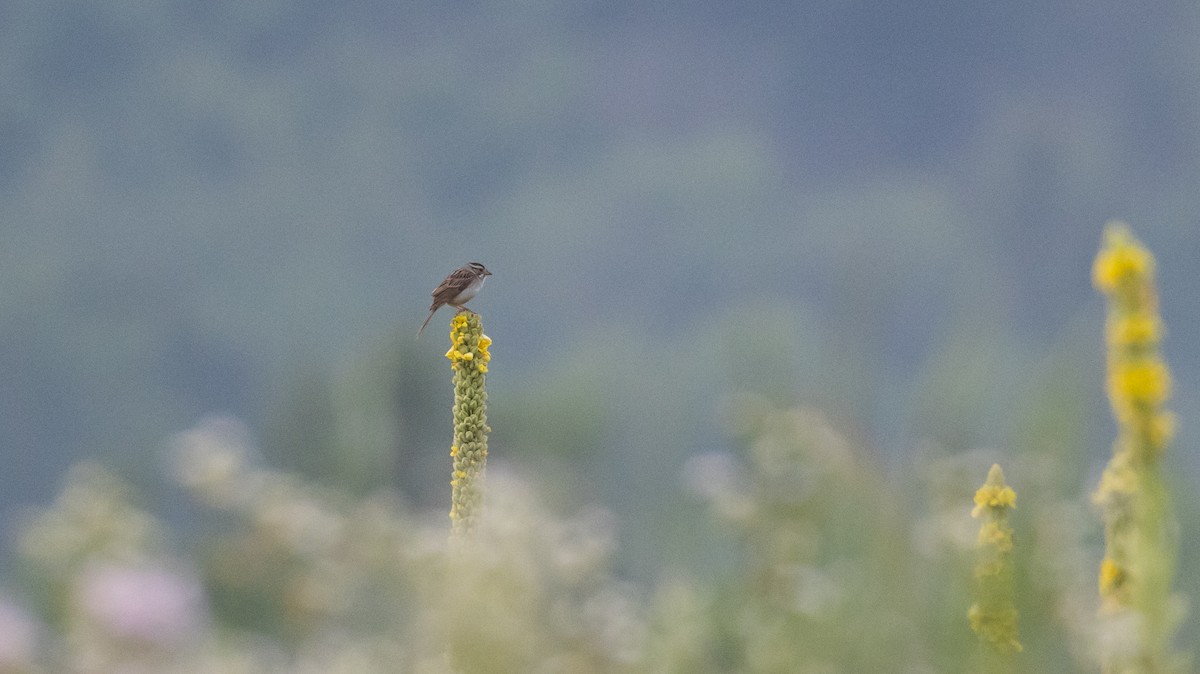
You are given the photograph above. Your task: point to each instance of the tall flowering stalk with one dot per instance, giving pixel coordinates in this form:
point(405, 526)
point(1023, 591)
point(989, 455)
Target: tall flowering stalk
point(469, 359)
point(1136, 604)
point(993, 616)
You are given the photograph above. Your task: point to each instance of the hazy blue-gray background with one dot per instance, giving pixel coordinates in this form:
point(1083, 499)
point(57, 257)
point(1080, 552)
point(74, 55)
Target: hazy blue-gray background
point(886, 210)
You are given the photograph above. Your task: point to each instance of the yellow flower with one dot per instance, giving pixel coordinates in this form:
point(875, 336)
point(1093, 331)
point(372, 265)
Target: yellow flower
point(1112, 577)
point(1123, 258)
point(994, 616)
point(993, 496)
point(1144, 382)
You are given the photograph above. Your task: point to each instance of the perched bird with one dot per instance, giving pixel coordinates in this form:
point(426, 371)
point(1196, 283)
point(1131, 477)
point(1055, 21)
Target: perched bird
point(459, 287)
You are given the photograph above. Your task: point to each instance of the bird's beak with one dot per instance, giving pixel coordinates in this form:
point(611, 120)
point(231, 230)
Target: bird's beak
point(487, 273)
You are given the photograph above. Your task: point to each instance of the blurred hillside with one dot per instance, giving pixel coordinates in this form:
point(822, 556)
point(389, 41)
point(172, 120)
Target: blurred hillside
point(886, 213)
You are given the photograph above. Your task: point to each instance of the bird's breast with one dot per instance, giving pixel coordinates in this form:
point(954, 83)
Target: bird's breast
point(470, 291)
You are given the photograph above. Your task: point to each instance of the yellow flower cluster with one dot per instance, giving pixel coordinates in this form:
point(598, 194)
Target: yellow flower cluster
point(1112, 578)
point(468, 346)
point(1139, 383)
point(469, 356)
point(1123, 260)
point(1134, 579)
point(993, 616)
point(994, 496)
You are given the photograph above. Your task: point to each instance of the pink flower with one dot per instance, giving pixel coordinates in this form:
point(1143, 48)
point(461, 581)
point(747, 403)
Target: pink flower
point(153, 605)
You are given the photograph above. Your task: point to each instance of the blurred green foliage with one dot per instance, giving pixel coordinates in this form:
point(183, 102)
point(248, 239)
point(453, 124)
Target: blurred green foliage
point(832, 565)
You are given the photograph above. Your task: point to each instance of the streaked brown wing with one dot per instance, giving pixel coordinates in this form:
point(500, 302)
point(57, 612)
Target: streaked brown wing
point(450, 288)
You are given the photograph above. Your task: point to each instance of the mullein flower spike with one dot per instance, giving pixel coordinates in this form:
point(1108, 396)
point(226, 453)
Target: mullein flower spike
point(1139, 559)
point(993, 616)
point(469, 357)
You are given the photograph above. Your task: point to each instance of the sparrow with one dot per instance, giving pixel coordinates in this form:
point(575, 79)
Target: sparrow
point(459, 287)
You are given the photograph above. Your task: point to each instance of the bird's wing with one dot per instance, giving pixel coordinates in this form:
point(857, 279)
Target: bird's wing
point(451, 286)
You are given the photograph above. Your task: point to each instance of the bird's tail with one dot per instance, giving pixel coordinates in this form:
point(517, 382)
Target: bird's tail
point(427, 319)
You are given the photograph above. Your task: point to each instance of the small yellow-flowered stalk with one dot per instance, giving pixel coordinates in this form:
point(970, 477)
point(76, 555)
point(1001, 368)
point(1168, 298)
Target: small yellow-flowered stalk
point(993, 616)
point(1139, 558)
point(469, 359)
